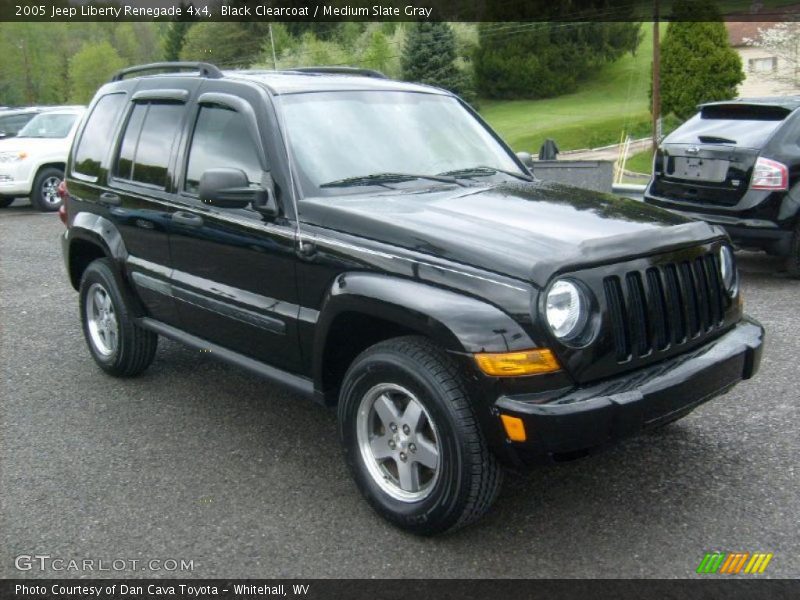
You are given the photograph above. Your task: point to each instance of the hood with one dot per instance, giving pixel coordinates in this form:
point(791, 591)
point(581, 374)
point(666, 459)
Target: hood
point(524, 230)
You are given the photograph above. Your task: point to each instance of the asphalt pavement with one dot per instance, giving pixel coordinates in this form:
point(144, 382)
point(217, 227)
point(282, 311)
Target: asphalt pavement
point(201, 462)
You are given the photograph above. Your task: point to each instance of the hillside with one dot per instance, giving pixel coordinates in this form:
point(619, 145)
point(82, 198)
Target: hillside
point(617, 99)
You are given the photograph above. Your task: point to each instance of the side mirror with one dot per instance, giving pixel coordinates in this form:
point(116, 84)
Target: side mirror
point(526, 159)
point(229, 188)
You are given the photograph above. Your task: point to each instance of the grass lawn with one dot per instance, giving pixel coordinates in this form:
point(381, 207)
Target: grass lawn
point(641, 162)
point(616, 100)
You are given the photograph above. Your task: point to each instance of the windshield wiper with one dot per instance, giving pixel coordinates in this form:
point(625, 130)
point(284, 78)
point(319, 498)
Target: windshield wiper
point(483, 171)
point(383, 178)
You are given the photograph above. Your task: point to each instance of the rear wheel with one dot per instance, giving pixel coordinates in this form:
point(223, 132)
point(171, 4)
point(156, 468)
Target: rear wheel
point(6, 201)
point(44, 195)
point(793, 260)
point(411, 438)
point(117, 344)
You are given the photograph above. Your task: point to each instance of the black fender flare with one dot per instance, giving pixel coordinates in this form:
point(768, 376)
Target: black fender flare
point(457, 322)
point(96, 230)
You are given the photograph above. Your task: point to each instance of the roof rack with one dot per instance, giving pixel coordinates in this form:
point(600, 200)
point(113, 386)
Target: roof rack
point(341, 71)
point(206, 70)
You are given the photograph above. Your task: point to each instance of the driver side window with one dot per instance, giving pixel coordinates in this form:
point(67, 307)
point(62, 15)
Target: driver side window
point(221, 139)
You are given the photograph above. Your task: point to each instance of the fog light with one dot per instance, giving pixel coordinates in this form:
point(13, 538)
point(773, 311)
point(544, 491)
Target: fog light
point(515, 428)
point(515, 364)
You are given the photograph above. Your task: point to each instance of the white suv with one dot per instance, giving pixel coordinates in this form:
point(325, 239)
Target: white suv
point(32, 163)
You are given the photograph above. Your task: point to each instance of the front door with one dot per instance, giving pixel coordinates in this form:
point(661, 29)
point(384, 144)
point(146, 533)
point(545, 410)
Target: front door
point(234, 271)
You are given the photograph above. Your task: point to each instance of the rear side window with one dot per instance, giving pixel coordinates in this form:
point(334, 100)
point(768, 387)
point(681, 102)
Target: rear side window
point(12, 124)
point(146, 145)
point(222, 139)
point(96, 138)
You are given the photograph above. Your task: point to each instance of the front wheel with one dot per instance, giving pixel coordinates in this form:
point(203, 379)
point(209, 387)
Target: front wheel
point(44, 195)
point(412, 440)
point(118, 345)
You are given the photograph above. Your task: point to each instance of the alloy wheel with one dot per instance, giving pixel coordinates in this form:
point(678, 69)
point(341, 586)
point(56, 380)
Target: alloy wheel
point(398, 442)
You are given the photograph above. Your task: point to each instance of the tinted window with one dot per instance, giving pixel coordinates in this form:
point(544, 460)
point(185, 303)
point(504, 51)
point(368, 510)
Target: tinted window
point(146, 146)
point(745, 112)
point(127, 151)
point(96, 137)
point(10, 125)
point(222, 138)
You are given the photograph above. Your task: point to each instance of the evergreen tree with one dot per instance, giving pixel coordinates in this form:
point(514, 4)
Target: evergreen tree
point(429, 57)
point(176, 34)
point(550, 57)
point(697, 61)
point(224, 43)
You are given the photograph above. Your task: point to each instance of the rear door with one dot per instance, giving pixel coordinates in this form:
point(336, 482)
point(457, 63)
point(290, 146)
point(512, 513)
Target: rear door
point(710, 158)
point(139, 195)
point(234, 270)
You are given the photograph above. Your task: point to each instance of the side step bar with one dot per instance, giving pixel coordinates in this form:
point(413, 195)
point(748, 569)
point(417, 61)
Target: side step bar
point(300, 385)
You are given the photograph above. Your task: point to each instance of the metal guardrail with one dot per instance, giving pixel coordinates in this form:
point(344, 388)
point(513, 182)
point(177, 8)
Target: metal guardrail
point(629, 190)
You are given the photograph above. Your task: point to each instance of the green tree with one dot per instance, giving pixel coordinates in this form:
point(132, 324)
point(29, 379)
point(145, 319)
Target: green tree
point(175, 34)
point(544, 59)
point(697, 61)
point(30, 69)
point(378, 53)
point(90, 68)
point(227, 44)
point(429, 57)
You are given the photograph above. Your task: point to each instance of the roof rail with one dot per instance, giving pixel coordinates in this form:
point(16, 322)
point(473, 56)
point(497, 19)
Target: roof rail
point(206, 70)
point(341, 71)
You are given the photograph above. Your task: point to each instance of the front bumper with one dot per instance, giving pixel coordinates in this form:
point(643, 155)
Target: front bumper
point(591, 417)
point(15, 179)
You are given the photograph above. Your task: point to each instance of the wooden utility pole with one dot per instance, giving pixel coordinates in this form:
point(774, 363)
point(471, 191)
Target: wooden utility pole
point(656, 74)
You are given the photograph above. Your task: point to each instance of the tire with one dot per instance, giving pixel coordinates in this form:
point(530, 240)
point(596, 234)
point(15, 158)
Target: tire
point(6, 201)
point(44, 196)
point(793, 260)
point(436, 491)
point(117, 344)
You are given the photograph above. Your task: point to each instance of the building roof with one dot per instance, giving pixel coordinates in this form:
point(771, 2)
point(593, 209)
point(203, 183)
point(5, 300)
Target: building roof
point(740, 31)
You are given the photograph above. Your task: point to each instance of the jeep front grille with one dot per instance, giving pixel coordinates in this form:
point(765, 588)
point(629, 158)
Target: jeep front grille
point(664, 306)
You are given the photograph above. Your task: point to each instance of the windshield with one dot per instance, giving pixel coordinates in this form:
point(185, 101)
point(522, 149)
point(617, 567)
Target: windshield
point(48, 126)
point(339, 137)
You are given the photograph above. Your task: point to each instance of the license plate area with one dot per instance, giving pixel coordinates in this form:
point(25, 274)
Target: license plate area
point(698, 169)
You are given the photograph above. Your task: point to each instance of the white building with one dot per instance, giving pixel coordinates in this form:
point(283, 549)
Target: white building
point(762, 67)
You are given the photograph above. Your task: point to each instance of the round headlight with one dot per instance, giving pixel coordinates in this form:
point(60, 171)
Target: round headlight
point(727, 269)
point(566, 309)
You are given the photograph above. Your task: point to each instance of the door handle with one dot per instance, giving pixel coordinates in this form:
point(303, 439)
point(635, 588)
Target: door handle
point(110, 199)
point(188, 219)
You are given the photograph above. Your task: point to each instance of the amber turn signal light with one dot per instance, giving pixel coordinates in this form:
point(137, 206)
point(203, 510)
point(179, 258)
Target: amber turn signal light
point(515, 364)
point(515, 428)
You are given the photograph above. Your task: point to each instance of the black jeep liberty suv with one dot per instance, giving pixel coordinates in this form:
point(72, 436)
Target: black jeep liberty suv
point(375, 246)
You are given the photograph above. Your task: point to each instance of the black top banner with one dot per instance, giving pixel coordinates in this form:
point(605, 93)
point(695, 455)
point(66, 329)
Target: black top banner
point(394, 10)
